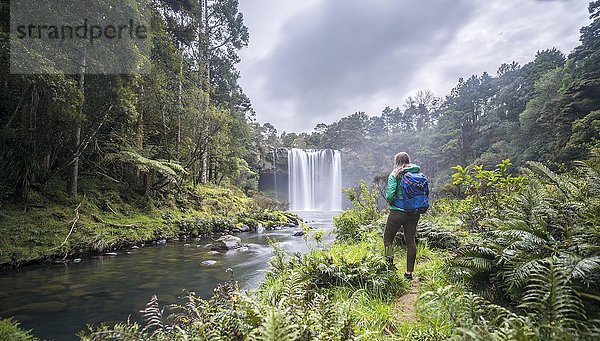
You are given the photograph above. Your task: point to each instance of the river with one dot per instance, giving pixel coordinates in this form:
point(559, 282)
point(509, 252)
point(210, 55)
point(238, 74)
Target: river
point(57, 301)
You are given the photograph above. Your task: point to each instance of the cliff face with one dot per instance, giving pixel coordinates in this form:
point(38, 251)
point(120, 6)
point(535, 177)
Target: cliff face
point(275, 184)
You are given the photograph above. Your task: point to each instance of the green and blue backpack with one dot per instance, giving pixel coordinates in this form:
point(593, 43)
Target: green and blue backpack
point(415, 193)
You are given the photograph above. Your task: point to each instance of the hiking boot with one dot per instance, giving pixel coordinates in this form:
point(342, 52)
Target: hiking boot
point(408, 276)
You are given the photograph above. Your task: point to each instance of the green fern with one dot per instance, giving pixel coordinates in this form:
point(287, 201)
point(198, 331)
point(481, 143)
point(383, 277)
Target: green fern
point(474, 261)
point(153, 316)
point(550, 298)
point(563, 183)
point(584, 269)
point(275, 327)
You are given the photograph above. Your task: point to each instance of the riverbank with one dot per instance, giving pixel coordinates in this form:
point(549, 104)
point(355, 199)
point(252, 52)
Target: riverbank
point(53, 227)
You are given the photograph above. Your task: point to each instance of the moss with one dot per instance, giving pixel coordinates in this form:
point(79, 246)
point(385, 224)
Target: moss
point(108, 219)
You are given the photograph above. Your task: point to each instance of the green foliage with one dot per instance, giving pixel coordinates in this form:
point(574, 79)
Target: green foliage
point(251, 218)
point(352, 224)
point(109, 220)
point(551, 310)
point(550, 299)
point(538, 257)
point(185, 121)
point(485, 192)
point(10, 331)
point(275, 326)
point(435, 236)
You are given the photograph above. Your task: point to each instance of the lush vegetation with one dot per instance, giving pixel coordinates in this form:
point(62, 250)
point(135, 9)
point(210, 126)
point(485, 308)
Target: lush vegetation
point(60, 227)
point(510, 249)
point(186, 120)
point(90, 162)
point(527, 270)
point(10, 331)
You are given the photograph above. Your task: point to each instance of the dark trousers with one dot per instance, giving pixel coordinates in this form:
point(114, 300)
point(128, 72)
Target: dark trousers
point(408, 221)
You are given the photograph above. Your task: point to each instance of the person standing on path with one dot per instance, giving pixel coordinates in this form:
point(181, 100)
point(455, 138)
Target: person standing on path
point(398, 218)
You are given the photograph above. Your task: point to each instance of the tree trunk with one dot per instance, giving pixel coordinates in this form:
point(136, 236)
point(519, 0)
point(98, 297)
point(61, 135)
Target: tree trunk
point(140, 122)
point(73, 172)
point(206, 83)
point(179, 110)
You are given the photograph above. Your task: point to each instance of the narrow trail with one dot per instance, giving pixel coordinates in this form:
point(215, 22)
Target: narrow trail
point(405, 305)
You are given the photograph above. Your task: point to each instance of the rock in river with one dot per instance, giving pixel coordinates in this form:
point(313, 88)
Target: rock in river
point(244, 228)
point(209, 262)
point(227, 242)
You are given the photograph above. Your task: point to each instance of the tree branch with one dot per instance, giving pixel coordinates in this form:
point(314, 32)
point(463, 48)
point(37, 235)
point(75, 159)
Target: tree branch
point(75, 220)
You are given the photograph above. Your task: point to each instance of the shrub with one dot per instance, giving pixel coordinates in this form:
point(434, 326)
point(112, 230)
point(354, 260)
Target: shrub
point(10, 331)
point(352, 224)
point(484, 192)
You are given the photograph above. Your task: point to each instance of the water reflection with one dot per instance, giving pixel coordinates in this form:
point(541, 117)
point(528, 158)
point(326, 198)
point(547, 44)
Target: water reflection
point(58, 301)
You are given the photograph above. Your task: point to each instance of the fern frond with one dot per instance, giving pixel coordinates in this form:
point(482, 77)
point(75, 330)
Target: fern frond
point(587, 270)
point(474, 263)
point(275, 327)
point(294, 288)
point(563, 183)
point(518, 271)
point(153, 317)
point(550, 297)
point(519, 233)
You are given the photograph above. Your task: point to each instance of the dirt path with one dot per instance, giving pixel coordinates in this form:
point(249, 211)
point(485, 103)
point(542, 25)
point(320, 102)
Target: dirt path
point(405, 304)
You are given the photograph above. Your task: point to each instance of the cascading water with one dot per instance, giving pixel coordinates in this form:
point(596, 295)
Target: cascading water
point(275, 173)
point(315, 180)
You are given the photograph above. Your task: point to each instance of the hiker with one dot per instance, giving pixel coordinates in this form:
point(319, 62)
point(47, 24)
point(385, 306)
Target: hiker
point(405, 208)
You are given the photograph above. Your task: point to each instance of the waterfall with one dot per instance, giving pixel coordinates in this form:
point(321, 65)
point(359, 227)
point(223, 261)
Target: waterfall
point(315, 180)
point(275, 172)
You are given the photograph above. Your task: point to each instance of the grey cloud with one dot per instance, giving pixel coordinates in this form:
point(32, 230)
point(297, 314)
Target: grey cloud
point(334, 57)
point(351, 50)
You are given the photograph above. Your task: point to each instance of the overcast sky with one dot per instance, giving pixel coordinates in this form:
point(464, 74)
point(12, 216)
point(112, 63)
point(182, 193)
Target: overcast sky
point(316, 61)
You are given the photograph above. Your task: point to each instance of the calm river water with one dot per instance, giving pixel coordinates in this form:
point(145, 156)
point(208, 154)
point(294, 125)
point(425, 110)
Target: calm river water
point(58, 301)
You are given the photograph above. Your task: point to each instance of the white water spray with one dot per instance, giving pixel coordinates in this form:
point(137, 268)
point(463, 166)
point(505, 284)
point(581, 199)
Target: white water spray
point(315, 180)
